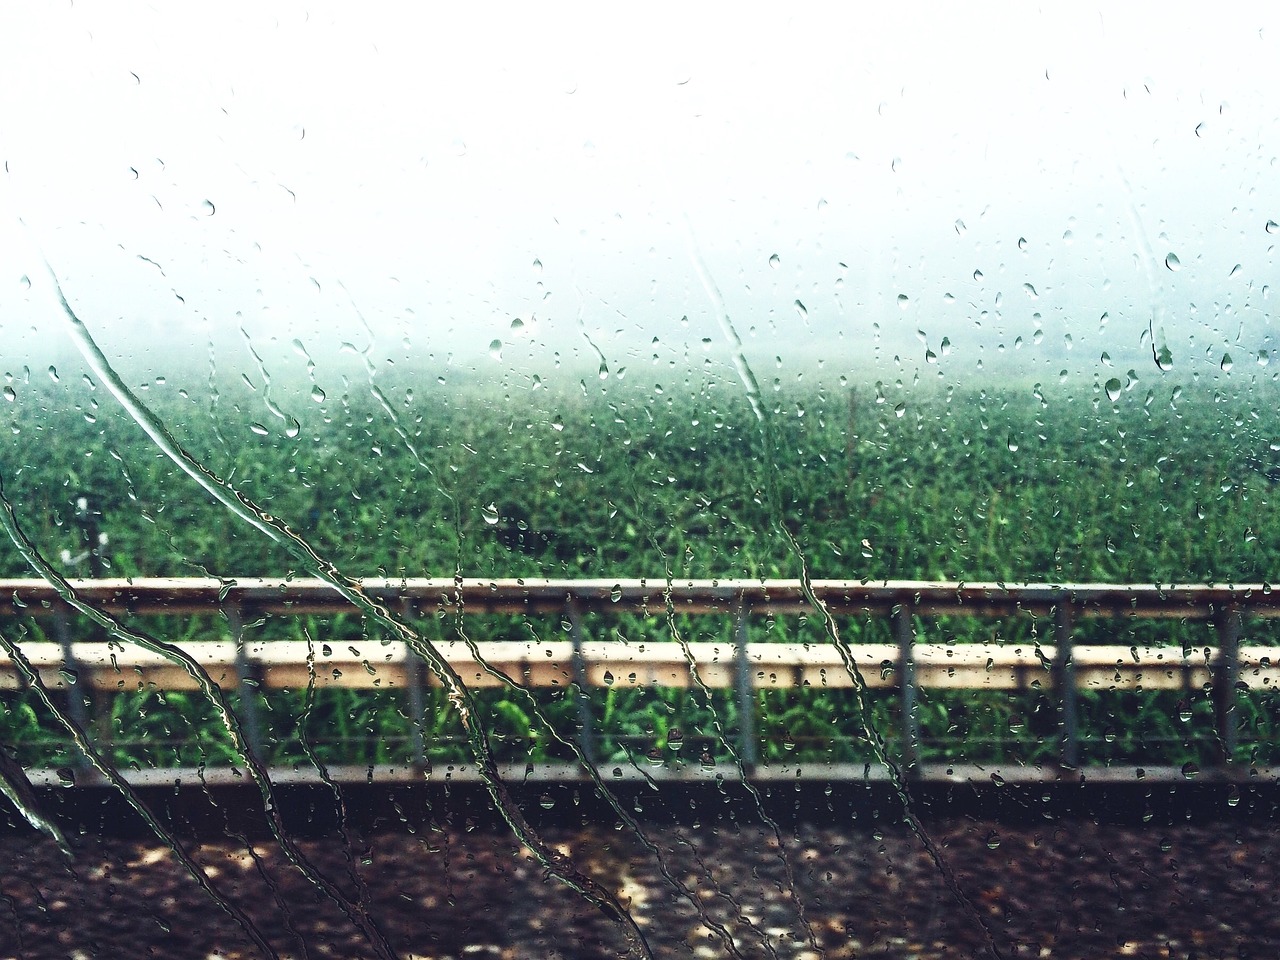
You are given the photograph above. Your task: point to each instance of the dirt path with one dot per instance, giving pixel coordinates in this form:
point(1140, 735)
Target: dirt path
point(1061, 890)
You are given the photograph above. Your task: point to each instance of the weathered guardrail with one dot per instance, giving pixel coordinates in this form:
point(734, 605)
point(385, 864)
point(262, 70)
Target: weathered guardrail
point(1225, 668)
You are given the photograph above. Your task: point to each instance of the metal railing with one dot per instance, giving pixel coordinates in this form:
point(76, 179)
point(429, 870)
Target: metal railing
point(905, 666)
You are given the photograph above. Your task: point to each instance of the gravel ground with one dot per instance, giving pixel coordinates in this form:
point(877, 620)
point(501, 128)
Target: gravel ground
point(1069, 889)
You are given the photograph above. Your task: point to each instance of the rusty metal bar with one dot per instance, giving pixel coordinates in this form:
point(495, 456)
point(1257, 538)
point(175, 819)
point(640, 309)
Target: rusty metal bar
point(1064, 674)
point(247, 681)
point(586, 721)
point(1226, 677)
point(748, 749)
point(904, 628)
point(78, 700)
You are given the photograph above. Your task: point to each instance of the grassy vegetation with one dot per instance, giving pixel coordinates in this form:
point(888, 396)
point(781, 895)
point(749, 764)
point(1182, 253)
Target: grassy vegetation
point(1063, 484)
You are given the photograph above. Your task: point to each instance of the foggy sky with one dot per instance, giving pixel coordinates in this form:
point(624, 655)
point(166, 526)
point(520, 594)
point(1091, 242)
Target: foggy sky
point(421, 183)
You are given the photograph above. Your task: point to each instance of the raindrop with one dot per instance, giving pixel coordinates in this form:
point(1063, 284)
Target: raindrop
point(1013, 444)
point(946, 346)
point(25, 281)
point(1172, 262)
point(317, 395)
point(608, 678)
point(9, 394)
point(1273, 227)
point(1031, 291)
point(1022, 243)
point(802, 312)
point(209, 208)
point(495, 349)
point(977, 275)
point(1164, 359)
point(557, 423)
point(537, 266)
point(259, 429)
point(1233, 796)
point(546, 802)
point(960, 227)
point(899, 411)
point(517, 324)
point(490, 514)
point(1190, 770)
point(53, 373)
point(903, 300)
point(292, 428)
point(1184, 712)
point(1234, 270)
point(1113, 388)
point(774, 261)
point(1226, 363)
point(993, 840)
point(616, 593)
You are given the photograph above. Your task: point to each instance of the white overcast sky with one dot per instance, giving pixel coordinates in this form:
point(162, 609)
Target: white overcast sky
point(446, 171)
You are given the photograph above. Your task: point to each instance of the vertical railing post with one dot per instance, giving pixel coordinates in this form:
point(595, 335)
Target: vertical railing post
point(904, 628)
point(413, 673)
point(586, 726)
point(78, 684)
point(748, 749)
point(247, 683)
point(1226, 674)
point(1064, 678)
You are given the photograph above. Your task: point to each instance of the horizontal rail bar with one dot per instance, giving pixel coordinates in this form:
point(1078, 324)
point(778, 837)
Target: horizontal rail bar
point(27, 597)
point(785, 773)
point(283, 664)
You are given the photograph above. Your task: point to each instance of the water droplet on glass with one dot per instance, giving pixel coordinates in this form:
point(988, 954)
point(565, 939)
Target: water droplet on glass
point(616, 593)
point(1164, 359)
point(495, 349)
point(801, 311)
point(1172, 262)
point(292, 428)
point(517, 324)
point(1234, 270)
point(1022, 243)
point(1013, 444)
point(903, 300)
point(1190, 770)
point(1226, 363)
point(537, 266)
point(490, 514)
point(993, 840)
point(317, 395)
point(1031, 291)
point(209, 208)
point(53, 373)
point(775, 260)
point(977, 275)
point(900, 410)
point(608, 678)
point(1273, 227)
point(25, 281)
point(557, 423)
point(69, 676)
point(259, 429)
point(9, 394)
point(1113, 388)
point(546, 802)
point(1184, 712)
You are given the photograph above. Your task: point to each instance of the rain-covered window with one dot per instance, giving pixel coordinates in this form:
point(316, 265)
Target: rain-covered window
point(704, 481)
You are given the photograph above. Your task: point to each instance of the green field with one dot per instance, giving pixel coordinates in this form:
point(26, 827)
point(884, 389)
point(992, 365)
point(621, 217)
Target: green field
point(1162, 483)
